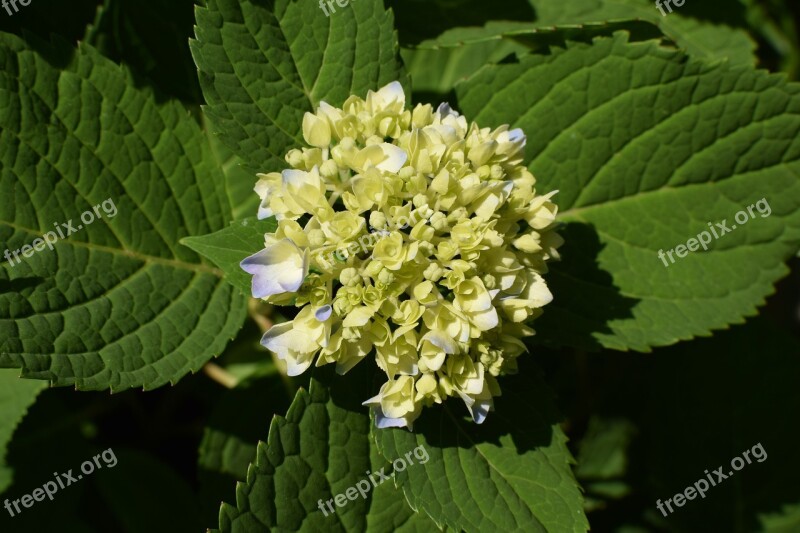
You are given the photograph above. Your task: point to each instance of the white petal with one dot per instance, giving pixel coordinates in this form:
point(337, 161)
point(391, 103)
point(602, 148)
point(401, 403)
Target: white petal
point(445, 110)
point(441, 341)
point(478, 407)
point(292, 346)
point(485, 320)
point(375, 400)
point(382, 422)
point(515, 135)
point(275, 338)
point(396, 157)
point(479, 410)
point(294, 177)
point(392, 92)
point(323, 313)
point(296, 367)
point(264, 211)
point(284, 339)
point(537, 291)
point(279, 268)
point(330, 112)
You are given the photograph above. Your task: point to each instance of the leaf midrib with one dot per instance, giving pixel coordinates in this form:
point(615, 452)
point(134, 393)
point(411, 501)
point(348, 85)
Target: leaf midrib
point(124, 252)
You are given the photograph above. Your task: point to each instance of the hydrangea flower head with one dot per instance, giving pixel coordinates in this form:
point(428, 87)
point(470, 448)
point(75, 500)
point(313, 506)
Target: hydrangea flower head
point(409, 236)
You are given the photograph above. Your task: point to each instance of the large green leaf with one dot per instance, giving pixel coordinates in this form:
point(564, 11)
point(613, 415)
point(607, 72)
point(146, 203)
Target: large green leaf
point(389, 511)
point(648, 147)
point(120, 303)
point(535, 37)
point(512, 473)
point(702, 39)
point(319, 450)
point(16, 395)
point(435, 70)
point(239, 182)
point(436, 65)
point(264, 64)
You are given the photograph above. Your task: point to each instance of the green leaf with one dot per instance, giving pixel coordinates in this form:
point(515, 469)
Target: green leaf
point(602, 452)
point(228, 247)
point(436, 65)
point(264, 64)
point(647, 147)
point(603, 459)
point(119, 303)
point(239, 182)
point(702, 39)
point(437, 70)
point(538, 38)
point(512, 473)
point(775, 24)
point(389, 512)
point(319, 450)
point(16, 396)
point(786, 521)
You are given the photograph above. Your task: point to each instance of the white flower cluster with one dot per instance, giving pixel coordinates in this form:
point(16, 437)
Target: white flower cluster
point(441, 303)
